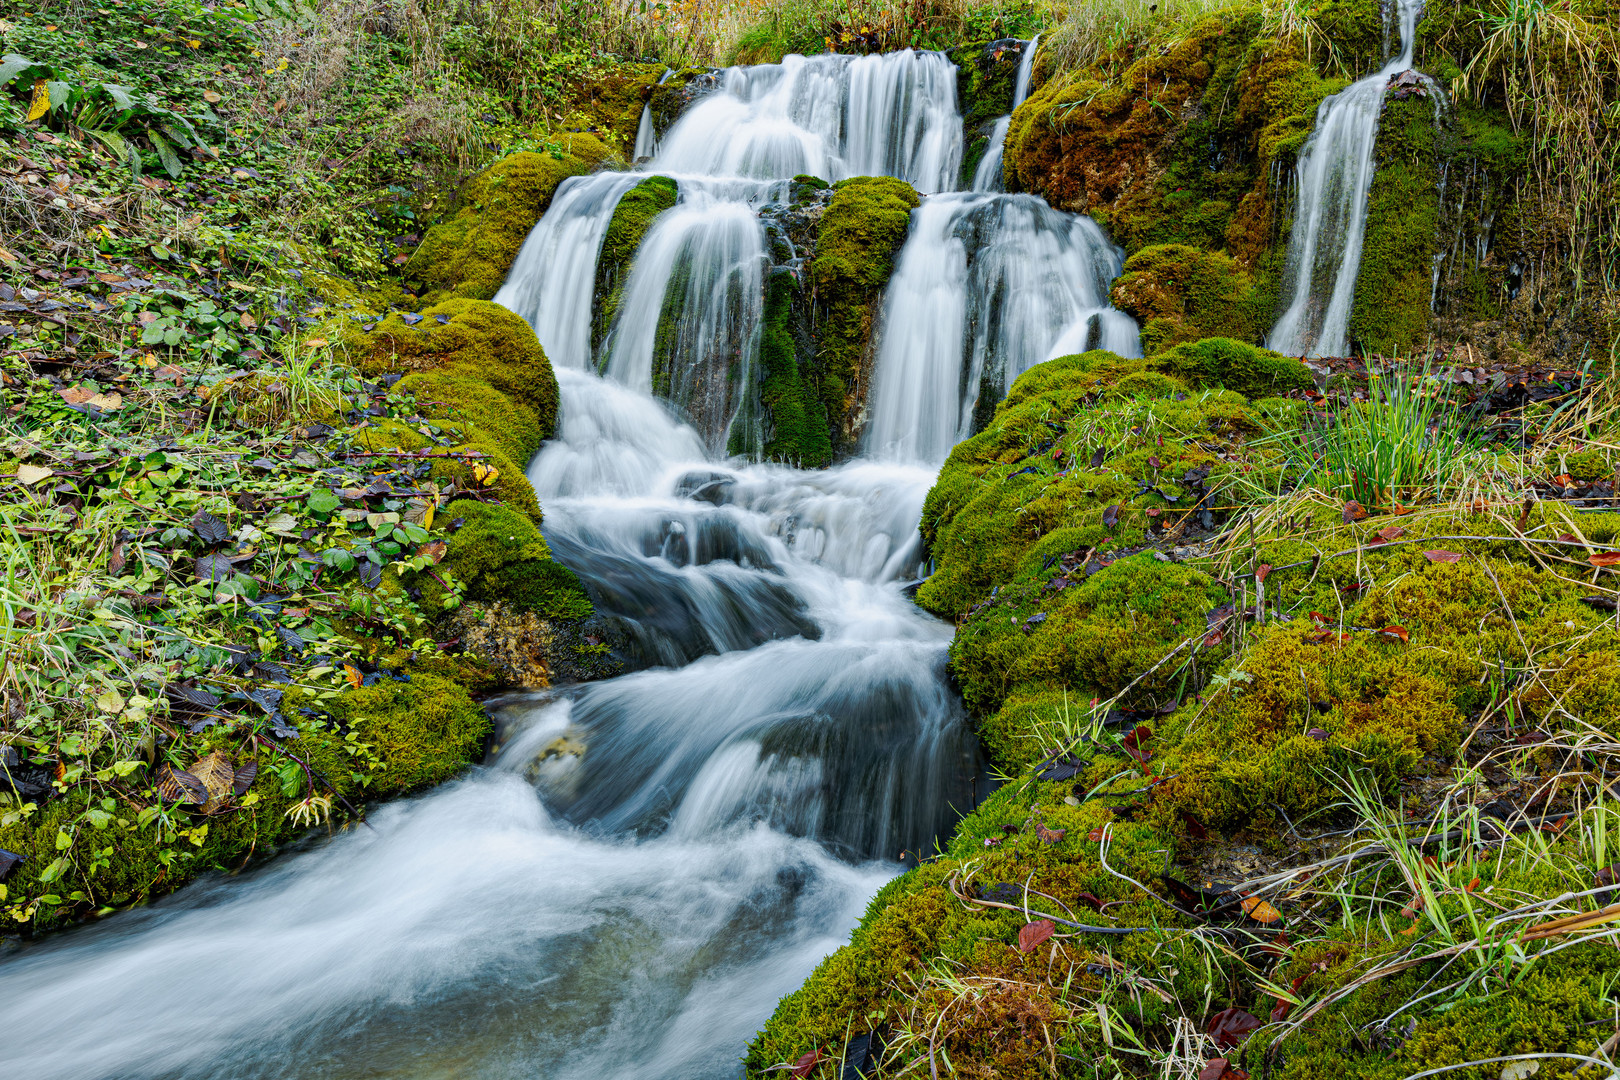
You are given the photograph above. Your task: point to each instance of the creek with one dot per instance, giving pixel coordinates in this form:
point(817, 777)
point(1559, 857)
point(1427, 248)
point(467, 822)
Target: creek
point(644, 865)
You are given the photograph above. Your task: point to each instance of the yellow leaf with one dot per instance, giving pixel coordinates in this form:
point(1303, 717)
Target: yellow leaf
point(315, 343)
point(29, 475)
point(42, 102)
point(1260, 911)
point(194, 44)
point(210, 96)
point(352, 674)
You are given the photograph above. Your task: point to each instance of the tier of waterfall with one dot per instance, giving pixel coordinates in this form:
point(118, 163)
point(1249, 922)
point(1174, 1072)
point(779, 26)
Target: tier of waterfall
point(987, 177)
point(1332, 179)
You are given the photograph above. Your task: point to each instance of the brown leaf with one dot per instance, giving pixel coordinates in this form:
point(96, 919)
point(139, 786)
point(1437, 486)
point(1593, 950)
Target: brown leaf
point(1353, 511)
point(1396, 632)
point(434, 549)
point(1133, 740)
point(1033, 934)
point(1317, 733)
point(211, 96)
point(1230, 1027)
point(1111, 516)
point(806, 1063)
point(1442, 555)
point(1049, 836)
point(176, 785)
point(1604, 558)
point(1261, 572)
point(352, 673)
point(1391, 534)
point(1471, 886)
point(218, 778)
point(244, 778)
point(115, 560)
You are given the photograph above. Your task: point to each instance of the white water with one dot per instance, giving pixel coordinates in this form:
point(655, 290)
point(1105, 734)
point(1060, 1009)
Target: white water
point(986, 287)
point(987, 176)
point(831, 116)
point(1333, 177)
point(786, 737)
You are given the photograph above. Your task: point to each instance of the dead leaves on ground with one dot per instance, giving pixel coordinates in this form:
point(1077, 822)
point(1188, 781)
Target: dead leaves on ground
point(212, 784)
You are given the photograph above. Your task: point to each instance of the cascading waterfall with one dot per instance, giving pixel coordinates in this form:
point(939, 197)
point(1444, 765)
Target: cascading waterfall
point(986, 287)
point(1333, 178)
point(831, 116)
point(646, 863)
point(987, 177)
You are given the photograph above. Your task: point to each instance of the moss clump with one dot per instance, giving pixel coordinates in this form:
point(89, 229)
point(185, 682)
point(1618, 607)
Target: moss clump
point(476, 406)
point(986, 76)
point(861, 234)
point(500, 555)
point(473, 339)
point(1179, 294)
point(1394, 285)
point(469, 253)
point(424, 730)
point(795, 414)
point(386, 433)
point(1025, 489)
point(631, 219)
point(1248, 369)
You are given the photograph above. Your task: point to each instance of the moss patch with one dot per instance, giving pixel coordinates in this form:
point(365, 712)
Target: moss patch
point(1235, 365)
point(626, 229)
point(1178, 294)
point(469, 253)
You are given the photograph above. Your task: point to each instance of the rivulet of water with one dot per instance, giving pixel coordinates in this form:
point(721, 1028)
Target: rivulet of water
point(987, 176)
point(1333, 177)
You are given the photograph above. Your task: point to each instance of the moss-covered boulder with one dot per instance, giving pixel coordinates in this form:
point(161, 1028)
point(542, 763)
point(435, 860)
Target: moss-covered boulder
point(795, 412)
point(1178, 293)
point(499, 554)
point(861, 234)
point(1235, 365)
point(469, 253)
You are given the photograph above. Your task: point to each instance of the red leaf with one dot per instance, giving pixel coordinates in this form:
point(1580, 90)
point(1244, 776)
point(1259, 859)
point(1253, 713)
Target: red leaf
point(1353, 511)
point(1609, 875)
point(1397, 632)
point(1033, 934)
point(1442, 555)
point(1195, 828)
point(1133, 740)
point(1214, 1069)
point(1471, 886)
point(1261, 572)
point(806, 1063)
point(1095, 835)
point(1604, 558)
point(1391, 534)
point(1229, 1027)
point(1280, 1011)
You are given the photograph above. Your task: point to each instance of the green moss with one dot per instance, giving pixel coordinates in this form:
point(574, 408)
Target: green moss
point(1391, 313)
point(1248, 369)
point(1180, 294)
point(469, 253)
point(631, 219)
point(986, 75)
point(476, 340)
point(861, 234)
point(500, 555)
point(612, 102)
point(386, 433)
point(795, 415)
point(424, 730)
point(477, 406)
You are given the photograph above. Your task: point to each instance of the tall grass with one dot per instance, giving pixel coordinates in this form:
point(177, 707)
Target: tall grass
point(1095, 29)
point(1403, 442)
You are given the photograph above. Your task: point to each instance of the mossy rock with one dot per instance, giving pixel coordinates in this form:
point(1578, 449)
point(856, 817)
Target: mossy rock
point(425, 729)
point(500, 555)
point(795, 414)
point(612, 101)
point(269, 399)
point(469, 253)
point(1178, 294)
point(476, 405)
point(1248, 369)
point(477, 340)
point(862, 231)
point(626, 229)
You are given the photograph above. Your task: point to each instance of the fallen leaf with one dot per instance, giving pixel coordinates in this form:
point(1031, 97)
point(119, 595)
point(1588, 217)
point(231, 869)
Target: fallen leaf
point(1396, 632)
point(1111, 516)
point(1471, 886)
point(211, 96)
point(1049, 836)
point(177, 785)
point(1261, 572)
point(806, 1063)
point(1442, 555)
point(1033, 934)
point(315, 343)
point(1259, 910)
point(1391, 534)
point(244, 777)
point(1097, 458)
point(29, 475)
point(1353, 511)
point(1317, 733)
point(352, 673)
point(1604, 558)
point(9, 861)
point(1230, 1027)
point(209, 529)
point(1133, 740)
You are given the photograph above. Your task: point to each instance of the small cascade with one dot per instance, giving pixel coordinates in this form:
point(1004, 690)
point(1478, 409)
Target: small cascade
point(987, 177)
point(552, 283)
point(831, 116)
point(646, 130)
point(986, 287)
point(1333, 177)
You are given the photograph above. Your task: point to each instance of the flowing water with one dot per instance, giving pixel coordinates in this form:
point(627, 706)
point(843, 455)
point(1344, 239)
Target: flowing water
point(1333, 177)
point(987, 177)
point(647, 863)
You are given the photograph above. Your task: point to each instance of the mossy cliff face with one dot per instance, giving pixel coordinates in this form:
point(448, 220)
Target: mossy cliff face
point(469, 253)
point(861, 235)
point(1374, 661)
point(986, 77)
point(626, 229)
point(1178, 293)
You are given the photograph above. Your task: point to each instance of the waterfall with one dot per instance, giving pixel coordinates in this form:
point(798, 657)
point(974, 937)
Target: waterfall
point(1333, 177)
point(832, 116)
point(986, 287)
point(987, 177)
point(554, 277)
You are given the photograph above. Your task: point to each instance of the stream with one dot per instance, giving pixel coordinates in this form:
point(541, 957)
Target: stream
point(646, 864)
